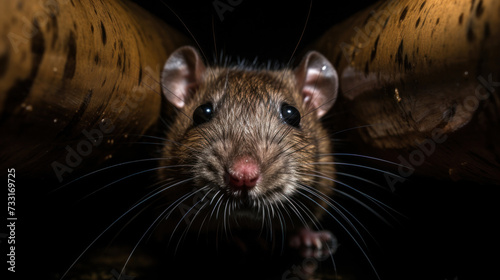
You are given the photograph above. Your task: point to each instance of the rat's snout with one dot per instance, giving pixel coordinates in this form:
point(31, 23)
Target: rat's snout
point(243, 175)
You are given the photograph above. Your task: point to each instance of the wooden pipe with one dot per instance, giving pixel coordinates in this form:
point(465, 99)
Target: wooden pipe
point(424, 72)
point(77, 79)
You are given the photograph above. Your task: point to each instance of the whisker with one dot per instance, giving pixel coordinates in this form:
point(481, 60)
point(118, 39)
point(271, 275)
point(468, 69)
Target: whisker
point(203, 222)
point(105, 168)
point(314, 220)
point(281, 219)
point(376, 201)
point(127, 224)
point(353, 128)
point(330, 202)
point(317, 225)
point(185, 26)
point(172, 205)
point(193, 149)
point(187, 212)
point(192, 220)
point(270, 215)
point(364, 205)
point(301, 34)
point(131, 175)
point(118, 219)
point(218, 207)
point(360, 166)
point(149, 136)
point(262, 209)
point(365, 156)
point(154, 223)
point(294, 209)
point(227, 228)
point(343, 226)
point(360, 178)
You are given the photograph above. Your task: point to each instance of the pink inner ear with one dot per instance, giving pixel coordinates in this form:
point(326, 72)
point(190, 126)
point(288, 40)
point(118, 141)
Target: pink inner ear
point(314, 91)
point(182, 75)
point(318, 82)
point(310, 89)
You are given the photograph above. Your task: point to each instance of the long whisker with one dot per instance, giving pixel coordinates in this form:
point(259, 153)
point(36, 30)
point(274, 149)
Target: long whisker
point(301, 34)
point(171, 207)
point(317, 225)
point(134, 174)
point(270, 212)
point(185, 214)
point(294, 209)
point(281, 219)
point(360, 166)
point(376, 201)
point(185, 26)
point(343, 226)
point(192, 220)
point(196, 214)
point(365, 156)
point(335, 205)
point(225, 219)
point(360, 178)
point(118, 219)
point(105, 168)
point(165, 144)
point(353, 128)
point(314, 220)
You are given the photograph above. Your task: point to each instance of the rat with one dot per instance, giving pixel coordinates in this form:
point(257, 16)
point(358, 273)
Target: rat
point(249, 142)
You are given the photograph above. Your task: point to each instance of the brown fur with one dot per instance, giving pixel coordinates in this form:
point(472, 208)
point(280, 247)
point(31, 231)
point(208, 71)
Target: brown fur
point(247, 122)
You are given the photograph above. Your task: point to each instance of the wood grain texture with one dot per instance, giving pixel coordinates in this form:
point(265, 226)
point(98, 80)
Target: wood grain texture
point(70, 69)
point(418, 71)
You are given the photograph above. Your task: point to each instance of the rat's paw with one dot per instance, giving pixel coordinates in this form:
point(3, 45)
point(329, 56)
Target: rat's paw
point(314, 243)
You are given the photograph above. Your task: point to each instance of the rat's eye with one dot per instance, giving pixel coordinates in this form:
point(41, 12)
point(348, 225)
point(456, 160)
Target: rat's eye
point(203, 114)
point(290, 115)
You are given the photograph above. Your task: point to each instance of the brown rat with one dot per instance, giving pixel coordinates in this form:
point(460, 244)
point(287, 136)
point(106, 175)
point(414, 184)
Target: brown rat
point(250, 144)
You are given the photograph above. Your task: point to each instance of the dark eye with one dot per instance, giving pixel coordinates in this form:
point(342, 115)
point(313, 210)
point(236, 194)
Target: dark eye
point(290, 115)
point(203, 114)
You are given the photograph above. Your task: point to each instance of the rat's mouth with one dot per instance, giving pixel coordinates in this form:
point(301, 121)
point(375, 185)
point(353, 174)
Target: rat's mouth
point(254, 207)
point(245, 205)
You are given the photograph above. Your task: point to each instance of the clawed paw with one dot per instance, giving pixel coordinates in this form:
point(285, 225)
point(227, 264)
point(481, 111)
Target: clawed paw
point(314, 243)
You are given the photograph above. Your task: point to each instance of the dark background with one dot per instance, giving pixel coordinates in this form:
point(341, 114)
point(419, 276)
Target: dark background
point(445, 230)
point(448, 229)
point(263, 29)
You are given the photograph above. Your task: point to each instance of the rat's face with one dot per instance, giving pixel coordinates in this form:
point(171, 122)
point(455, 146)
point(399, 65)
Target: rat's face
point(248, 141)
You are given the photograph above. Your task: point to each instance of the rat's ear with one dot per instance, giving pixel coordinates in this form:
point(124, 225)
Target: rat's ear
point(318, 82)
point(182, 75)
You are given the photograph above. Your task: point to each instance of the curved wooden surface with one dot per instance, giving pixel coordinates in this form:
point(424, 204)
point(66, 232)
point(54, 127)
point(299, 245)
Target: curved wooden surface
point(427, 72)
point(74, 73)
point(412, 73)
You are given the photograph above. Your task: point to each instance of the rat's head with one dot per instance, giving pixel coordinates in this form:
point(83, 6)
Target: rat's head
point(248, 138)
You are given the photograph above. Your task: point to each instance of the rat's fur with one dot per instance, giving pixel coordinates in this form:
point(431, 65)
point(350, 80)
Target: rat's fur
point(295, 163)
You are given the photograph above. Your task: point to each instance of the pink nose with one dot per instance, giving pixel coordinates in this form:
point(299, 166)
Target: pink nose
point(244, 174)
